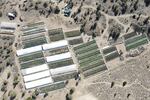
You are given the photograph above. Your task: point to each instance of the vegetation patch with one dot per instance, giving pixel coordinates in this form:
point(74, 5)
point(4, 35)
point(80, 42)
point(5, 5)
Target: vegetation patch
point(31, 56)
point(34, 42)
point(60, 63)
point(135, 41)
point(76, 41)
point(52, 87)
point(110, 53)
point(72, 33)
point(32, 63)
point(89, 58)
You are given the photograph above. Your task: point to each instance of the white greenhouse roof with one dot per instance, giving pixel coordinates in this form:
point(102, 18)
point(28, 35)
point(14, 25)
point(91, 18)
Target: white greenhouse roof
point(8, 25)
point(29, 50)
point(58, 57)
point(34, 69)
point(39, 82)
point(36, 76)
point(55, 44)
point(63, 70)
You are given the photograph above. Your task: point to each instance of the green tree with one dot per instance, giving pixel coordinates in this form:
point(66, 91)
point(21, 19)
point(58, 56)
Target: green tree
point(72, 90)
point(45, 5)
point(23, 94)
point(68, 97)
point(8, 75)
point(33, 96)
point(56, 10)
point(15, 81)
point(36, 92)
point(12, 95)
point(3, 88)
point(147, 2)
point(1, 14)
point(29, 98)
point(45, 95)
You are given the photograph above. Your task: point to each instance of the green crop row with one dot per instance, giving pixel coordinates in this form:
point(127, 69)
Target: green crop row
point(60, 63)
point(134, 39)
point(73, 33)
point(91, 58)
point(90, 63)
point(109, 49)
point(56, 37)
point(111, 56)
point(32, 63)
point(88, 54)
point(34, 42)
point(55, 31)
point(52, 87)
point(96, 64)
point(29, 37)
point(57, 51)
point(63, 77)
point(76, 41)
point(86, 49)
point(130, 35)
point(34, 31)
point(35, 24)
point(94, 70)
point(136, 44)
point(31, 56)
point(84, 45)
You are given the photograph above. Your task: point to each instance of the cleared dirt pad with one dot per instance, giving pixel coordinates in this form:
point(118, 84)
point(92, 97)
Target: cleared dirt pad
point(86, 97)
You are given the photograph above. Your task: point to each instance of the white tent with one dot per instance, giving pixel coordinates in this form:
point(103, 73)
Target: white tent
point(36, 76)
point(63, 70)
point(29, 50)
point(58, 57)
point(34, 69)
point(57, 44)
point(39, 82)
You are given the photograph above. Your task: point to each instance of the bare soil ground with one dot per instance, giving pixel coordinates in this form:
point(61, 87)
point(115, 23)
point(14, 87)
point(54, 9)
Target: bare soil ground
point(126, 80)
